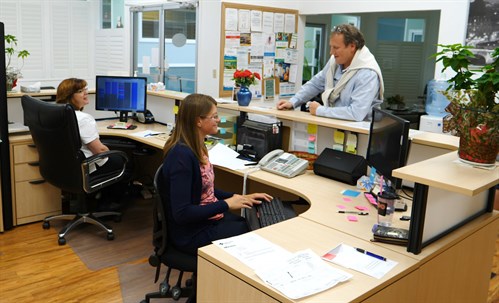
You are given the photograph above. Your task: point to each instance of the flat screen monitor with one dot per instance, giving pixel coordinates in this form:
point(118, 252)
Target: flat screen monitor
point(121, 94)
point(388, 145)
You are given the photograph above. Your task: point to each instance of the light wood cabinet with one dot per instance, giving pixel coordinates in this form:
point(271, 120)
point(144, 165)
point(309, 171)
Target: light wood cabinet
point(33, 198)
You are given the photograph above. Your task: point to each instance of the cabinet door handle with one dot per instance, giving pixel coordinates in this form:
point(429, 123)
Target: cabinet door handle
point(37, 181)
point(34, 163)
point(32, 145)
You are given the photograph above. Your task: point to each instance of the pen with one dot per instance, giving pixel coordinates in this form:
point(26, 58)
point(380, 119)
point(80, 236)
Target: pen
point(361, 213)
point(370, 254)
point(251, 164)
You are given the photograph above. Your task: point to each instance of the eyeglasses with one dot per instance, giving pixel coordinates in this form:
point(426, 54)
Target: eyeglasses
point(212, 117)
point(83, 90)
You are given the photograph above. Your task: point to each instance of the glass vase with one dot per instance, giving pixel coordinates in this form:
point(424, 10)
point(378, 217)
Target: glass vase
point(478, 136)
point(244, 96)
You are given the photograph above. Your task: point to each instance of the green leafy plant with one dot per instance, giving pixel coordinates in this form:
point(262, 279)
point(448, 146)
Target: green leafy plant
point(396, 101)
point(474, 103)
point(13, 72)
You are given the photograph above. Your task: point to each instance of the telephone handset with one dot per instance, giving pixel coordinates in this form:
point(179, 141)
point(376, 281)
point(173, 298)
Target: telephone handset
point(283, 164)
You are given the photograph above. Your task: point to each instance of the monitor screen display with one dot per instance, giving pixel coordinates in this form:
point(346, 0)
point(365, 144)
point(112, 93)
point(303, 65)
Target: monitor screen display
point(123, 94)
point(388, 144)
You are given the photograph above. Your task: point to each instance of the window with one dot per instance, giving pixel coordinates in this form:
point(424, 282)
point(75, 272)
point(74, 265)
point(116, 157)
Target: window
point(401, 29)
point(177, 21)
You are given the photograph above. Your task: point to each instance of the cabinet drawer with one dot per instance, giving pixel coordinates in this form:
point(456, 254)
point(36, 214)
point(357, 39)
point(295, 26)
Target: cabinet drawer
point(36, 199)
point(25, 153)
point(26, 172)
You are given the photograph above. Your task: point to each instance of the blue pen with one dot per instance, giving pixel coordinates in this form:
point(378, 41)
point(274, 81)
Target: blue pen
point(370, 254)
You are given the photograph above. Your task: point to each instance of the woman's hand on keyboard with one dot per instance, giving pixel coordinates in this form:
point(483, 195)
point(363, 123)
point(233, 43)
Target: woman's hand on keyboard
point(246, 201)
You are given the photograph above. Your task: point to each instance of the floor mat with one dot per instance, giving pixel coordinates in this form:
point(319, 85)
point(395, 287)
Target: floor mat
point(133, 238)
point(137, 280)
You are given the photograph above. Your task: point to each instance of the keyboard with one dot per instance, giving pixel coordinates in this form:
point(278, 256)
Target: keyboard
point(116, 142)
point(268, 213)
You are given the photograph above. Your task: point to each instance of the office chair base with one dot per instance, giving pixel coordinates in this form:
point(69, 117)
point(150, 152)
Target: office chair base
point(92, 218)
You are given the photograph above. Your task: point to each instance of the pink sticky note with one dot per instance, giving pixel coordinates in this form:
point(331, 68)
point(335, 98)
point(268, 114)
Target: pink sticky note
point(352, 218)
point(347, 199)
point(341, 206)
point(360, 207)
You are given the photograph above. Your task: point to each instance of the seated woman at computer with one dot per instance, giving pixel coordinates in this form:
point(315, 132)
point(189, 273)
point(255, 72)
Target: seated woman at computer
point(198, 213)
point(351, 83)
point(75, 92)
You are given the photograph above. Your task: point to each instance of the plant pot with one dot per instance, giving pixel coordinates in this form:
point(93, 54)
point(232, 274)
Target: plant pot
point(244, 96)
point(478, 136)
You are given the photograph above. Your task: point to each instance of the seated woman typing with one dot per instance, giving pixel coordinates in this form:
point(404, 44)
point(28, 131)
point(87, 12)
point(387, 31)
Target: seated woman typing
point(198, 213)
point(75, 92)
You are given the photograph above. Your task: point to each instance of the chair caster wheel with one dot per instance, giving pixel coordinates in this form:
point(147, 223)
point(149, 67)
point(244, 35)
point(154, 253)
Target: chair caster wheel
point(176, 291)
point(61, 241)
point(46, 225)
point(164, 288)
point(110, 236)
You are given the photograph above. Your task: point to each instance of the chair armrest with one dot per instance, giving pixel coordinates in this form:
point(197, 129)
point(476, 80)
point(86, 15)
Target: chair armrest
point(94, 183)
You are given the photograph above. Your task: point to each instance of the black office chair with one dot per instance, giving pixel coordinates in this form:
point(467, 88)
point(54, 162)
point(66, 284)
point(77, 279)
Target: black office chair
point(54, 129)
point(166, 253)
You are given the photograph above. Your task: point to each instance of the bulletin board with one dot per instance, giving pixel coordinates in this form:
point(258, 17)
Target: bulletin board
point(261, 39)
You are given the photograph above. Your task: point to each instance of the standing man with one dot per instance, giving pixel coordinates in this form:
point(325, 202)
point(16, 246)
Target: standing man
point(351, 82)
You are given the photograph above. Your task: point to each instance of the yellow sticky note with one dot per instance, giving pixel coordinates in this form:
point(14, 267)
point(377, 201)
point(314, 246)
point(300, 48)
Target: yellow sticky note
point(312, 128)
point(339, 136)
point(175, 109)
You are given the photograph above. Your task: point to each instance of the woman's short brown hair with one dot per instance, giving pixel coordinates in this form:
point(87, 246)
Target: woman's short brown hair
point(67, 88)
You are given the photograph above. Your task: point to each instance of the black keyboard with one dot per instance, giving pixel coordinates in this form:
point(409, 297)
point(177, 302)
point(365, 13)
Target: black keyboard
point(116, 142)
point(269, 213)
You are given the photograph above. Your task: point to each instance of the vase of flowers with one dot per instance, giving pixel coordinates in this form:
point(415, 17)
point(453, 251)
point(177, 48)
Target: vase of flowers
point(474, 104)
point(13, 73)
point(244, 78)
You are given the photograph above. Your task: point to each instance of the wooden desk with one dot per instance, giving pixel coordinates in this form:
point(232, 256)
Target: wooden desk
point(442, 271)
point(152, 141)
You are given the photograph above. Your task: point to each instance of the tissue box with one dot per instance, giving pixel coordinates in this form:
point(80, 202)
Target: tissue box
point(30, 89)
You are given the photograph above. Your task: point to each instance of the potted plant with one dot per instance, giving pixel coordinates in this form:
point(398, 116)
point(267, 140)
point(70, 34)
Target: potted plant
point(13, 72)
point(396, 102)
point(474, 103)
point(244, 78)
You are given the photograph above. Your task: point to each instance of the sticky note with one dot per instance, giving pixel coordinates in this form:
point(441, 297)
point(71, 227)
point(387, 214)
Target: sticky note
point(312, 128)
point(223, 119)
point(339, 136)
point(222, 131)
point(347, 199)
point(175, 109)
point(341, 206)
point(311, 138)
point(350, 193)
point(352, 218)
point(361, 207)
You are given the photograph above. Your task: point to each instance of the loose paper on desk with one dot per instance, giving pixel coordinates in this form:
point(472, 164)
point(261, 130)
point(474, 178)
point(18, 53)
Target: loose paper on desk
point(222, 155)
point(301, 274)
point(347, 256)
point(146, 133)
point(253, 250)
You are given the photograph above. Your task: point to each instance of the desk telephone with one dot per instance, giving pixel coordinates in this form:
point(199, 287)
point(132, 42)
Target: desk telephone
point(283, 164)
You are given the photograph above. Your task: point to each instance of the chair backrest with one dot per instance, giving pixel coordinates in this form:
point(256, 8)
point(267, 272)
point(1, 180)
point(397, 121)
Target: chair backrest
point(164, 249)
point(55, 132)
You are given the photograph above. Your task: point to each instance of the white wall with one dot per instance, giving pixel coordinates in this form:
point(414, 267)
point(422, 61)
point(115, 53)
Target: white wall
point(453, 22)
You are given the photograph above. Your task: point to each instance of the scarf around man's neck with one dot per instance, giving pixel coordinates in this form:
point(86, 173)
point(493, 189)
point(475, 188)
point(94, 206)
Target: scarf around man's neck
point(362, 59)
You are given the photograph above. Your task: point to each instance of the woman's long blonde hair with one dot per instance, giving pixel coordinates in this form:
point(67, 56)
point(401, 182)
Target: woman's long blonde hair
point(185, 131)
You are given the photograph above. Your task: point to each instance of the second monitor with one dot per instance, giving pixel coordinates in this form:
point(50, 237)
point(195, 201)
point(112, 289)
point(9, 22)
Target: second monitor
point(121, 94)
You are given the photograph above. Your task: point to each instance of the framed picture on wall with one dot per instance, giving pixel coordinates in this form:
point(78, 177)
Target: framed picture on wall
point(483, 30)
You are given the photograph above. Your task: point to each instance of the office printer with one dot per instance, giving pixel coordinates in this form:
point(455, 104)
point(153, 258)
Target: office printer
point(341, 166)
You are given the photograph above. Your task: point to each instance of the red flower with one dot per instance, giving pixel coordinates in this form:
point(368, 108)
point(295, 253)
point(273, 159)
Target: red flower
point(245, 77)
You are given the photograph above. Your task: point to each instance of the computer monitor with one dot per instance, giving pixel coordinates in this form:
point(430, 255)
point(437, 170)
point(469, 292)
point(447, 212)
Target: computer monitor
point(388, 145)
point(123, 94)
